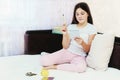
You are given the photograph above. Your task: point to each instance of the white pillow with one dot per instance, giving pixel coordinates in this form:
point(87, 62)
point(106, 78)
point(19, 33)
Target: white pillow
point(100, 52)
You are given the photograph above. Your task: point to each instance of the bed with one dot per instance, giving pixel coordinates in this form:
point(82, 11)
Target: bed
point(16, 67)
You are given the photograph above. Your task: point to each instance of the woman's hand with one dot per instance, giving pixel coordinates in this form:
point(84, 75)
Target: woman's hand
point(79, 40)
point(64, 29)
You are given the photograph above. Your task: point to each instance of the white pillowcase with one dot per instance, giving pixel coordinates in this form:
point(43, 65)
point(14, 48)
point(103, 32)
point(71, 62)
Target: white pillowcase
point(100, 52)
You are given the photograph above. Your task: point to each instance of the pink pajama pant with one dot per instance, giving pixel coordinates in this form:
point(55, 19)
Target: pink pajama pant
point(66, 61)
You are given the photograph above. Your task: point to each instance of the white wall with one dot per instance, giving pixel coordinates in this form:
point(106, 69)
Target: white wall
point(17, 16)
point(106, 15)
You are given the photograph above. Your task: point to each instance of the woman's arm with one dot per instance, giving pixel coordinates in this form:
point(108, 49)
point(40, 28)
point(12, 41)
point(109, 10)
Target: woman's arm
point(86, 46)
point(66, 38)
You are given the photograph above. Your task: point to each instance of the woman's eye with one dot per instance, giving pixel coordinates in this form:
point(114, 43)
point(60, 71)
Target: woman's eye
point(77, 14)
point(82, 13)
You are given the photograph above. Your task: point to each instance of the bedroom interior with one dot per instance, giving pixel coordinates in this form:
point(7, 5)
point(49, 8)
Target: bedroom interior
point(18, 16)
point(26, 25)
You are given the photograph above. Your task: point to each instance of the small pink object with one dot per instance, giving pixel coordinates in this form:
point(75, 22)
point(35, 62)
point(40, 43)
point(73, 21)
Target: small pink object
point(50, 78)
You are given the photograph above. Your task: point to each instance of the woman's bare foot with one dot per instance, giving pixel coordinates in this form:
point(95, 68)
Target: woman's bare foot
point(50, 67)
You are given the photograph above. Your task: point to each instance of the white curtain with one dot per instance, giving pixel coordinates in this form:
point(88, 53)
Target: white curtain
point(18, 16)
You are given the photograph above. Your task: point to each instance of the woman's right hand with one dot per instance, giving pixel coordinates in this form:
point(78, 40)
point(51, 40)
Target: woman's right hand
point(64, 29)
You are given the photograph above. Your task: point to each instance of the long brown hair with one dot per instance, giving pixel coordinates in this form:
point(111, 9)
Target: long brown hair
point(85, 7)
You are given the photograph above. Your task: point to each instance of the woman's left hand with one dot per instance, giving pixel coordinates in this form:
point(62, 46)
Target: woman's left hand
point(79, 40)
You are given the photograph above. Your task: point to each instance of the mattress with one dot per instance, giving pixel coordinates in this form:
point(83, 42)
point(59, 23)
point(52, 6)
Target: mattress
point(16, 67)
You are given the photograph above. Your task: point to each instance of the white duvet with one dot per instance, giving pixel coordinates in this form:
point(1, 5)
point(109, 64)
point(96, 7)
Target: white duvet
point(15, 68)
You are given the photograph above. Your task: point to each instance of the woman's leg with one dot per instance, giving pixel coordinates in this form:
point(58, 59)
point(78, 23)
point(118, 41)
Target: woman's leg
point(58, 57)
point(78, 64)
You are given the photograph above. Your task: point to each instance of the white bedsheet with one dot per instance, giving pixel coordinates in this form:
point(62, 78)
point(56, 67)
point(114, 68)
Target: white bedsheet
point(15, 68)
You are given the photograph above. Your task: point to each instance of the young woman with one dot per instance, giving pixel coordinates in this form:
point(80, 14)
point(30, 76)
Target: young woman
point(72, 56)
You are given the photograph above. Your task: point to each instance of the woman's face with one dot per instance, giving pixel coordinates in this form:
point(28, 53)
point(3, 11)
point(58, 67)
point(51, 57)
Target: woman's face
point(81, 16)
